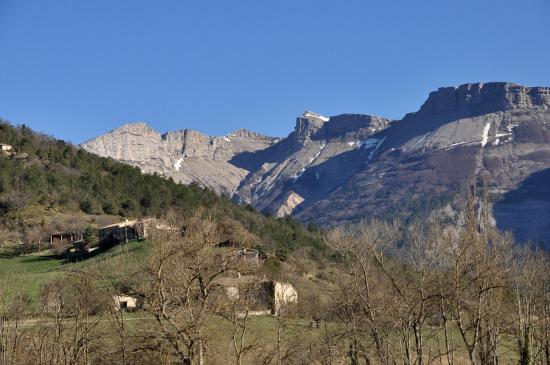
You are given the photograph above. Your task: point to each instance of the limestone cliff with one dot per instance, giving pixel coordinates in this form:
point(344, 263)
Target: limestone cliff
point(186, 155)
point(348, 167)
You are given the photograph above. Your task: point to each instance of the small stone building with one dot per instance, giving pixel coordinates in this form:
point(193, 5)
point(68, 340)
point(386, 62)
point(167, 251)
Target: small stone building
point(118, 233)
point(127, 230)
point(138, 229)
point(246, 256)
point(5, 147)
point(57, 238)
point(283, 294)
point(125, 302)
point(265, 297)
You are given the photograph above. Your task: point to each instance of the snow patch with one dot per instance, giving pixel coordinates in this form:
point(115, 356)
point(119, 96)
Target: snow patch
point(369, 143)
point(371, 155)
point(226, 139)
point(177, 165)
point(455, 144)
point(510, 127)
point(301, 172)
point(420, 140)
point(485, 134)
point(309, 114)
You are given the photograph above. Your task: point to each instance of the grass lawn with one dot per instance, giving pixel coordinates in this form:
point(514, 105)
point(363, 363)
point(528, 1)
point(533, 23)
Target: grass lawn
point(28, 273)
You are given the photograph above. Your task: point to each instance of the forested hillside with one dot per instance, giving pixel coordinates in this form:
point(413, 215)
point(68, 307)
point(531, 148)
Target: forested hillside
point(46, 178)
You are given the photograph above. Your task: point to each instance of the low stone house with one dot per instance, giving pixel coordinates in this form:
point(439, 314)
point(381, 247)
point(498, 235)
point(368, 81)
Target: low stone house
point(118, 233)
point(246, 256)
point(249, 255)
point(125, 302)
point(127, 230)
point(5, 147)
point(264, 297)
point(65, 237)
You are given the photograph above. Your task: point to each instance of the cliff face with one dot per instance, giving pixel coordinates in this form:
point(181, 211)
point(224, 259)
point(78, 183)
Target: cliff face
point(186, 155)
point(353, 166)
point(486, 98)
point(427, 162)
point(317, 144)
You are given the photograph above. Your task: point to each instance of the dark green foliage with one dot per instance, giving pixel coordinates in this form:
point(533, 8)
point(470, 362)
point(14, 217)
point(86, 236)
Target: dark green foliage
point(61, 177)
point(90, 236)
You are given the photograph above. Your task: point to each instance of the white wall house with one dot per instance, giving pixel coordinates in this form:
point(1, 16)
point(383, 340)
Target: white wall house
point(284, 294)
point(266, 296)
point(125, 302)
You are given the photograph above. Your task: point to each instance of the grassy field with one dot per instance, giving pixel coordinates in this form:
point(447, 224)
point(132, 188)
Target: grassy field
point(28, 273)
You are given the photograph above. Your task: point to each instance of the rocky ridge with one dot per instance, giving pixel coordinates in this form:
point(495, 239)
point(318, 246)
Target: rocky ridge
point(186, 155)
point(353, 166)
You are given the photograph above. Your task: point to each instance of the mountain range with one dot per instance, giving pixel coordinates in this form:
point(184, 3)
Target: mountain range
point(344, 168)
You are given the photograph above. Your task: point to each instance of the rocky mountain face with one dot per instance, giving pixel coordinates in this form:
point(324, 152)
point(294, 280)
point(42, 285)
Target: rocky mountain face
point(186, 156)
point(349, 167)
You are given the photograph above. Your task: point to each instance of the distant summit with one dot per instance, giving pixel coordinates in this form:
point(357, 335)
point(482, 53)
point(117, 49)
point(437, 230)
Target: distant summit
point(185, 155)
point(315, 116)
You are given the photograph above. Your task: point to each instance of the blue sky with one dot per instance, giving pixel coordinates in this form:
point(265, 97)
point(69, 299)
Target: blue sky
point(76, 69)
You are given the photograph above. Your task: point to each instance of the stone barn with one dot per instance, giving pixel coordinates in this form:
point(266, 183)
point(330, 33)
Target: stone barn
point(283, 294)
point(125, 302)
point(65, 237)
point(128, 230)
point(118, 233)
point(245, 256)
point(266, 297)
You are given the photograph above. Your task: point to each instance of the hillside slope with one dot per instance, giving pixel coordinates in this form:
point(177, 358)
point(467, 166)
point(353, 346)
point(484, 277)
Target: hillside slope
point(46, 179)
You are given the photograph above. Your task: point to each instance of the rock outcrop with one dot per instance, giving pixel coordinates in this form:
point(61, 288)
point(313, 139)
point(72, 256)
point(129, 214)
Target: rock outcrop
point(288, 205)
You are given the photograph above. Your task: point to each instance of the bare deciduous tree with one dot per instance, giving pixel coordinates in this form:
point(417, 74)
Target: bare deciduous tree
point(180, 285)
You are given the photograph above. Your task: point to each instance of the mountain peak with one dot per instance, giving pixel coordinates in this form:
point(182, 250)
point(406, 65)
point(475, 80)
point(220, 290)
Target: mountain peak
point(308, 124)
point(136, 128)
point(248, 134)
point(314, 116)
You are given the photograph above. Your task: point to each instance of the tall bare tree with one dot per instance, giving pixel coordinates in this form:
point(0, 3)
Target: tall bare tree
point(180, 284)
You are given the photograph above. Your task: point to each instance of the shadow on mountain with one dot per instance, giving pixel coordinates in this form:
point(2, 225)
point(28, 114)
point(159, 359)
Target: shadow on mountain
point(320, 180)
point(397, 186)
point(525, 211)
point(253, 161)
point(418, 124)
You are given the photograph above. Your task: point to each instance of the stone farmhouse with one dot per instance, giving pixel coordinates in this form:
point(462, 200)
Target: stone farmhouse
point(127, 230)
point(125, 303)
point(265, 297)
